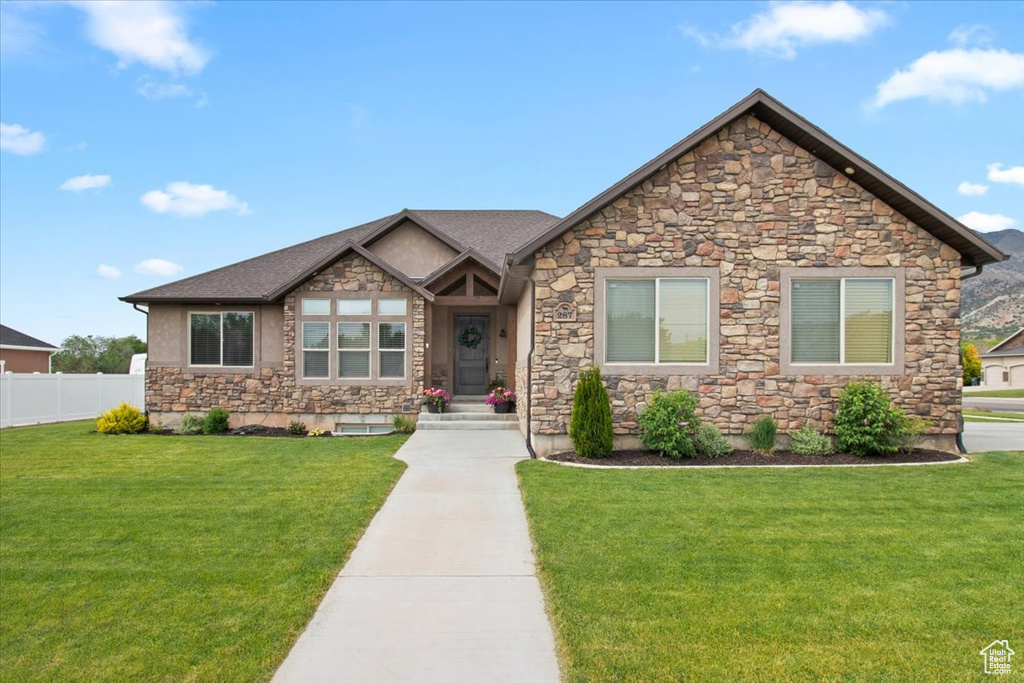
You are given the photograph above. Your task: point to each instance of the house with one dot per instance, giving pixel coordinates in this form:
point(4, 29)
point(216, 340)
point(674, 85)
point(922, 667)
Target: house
point(1003, 364)
point(758, 262)
point(997, 657)
point(22, 353)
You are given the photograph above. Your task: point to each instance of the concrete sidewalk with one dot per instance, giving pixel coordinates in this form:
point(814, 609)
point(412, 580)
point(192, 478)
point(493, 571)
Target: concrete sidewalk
point(442, 585)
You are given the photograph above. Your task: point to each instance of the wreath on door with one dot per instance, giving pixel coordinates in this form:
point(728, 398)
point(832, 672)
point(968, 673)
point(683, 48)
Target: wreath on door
point(471, 337)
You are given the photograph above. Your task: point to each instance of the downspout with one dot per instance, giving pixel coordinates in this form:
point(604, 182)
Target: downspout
point(529, 371)
point(142, 311)
point(960, 431)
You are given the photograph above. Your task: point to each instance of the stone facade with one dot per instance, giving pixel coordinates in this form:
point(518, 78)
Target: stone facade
point(273, 395)
point(749, 202)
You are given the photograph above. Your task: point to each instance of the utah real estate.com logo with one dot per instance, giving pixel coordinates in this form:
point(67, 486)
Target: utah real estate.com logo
point(997, 657)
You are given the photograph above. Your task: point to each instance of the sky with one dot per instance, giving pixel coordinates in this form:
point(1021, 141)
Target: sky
point(142, 142)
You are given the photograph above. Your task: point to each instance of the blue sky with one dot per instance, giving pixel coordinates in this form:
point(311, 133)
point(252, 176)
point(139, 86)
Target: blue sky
point(189, 136)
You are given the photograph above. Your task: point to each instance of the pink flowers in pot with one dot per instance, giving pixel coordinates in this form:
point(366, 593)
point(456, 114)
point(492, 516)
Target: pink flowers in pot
point(439, 398)
point(499, 396)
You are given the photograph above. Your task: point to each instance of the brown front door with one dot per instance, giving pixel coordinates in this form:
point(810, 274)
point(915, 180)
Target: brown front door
point(472, 351)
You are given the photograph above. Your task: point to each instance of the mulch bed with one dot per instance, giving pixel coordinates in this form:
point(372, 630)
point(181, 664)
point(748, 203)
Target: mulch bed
point(647, 458)
point(248, 430)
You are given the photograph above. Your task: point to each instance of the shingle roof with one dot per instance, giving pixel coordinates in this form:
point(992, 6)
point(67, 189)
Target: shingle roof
point(11, 337)
point(1003, 352)
point(490, 233)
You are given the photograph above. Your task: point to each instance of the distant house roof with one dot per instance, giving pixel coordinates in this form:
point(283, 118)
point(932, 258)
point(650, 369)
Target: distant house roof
point(999, 350)
point(11, 338)
point(1003, 352)
point(490, 235)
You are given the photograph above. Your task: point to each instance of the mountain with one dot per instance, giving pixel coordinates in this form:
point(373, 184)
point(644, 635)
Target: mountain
point(993, 303)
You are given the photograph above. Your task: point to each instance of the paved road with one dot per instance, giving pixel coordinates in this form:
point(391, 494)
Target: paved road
point(991, 436)
point(1008, 405)
point(441, 587)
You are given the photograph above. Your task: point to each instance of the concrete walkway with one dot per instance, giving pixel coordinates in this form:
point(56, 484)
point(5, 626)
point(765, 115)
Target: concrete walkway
point(442, 585)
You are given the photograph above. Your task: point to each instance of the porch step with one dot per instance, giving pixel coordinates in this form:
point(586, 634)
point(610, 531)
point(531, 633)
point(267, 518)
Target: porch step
point(447, 416)
point(432, 425)
point(460, 415)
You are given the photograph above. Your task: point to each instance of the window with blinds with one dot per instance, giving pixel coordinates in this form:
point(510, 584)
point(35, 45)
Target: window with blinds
point(354, 350)
point(316, 350)
point(221, 339)
point(656, 321)
point(842, 321)
point(391, 345)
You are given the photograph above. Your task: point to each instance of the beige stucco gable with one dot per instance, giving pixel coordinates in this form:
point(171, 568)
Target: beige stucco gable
point(412, 250)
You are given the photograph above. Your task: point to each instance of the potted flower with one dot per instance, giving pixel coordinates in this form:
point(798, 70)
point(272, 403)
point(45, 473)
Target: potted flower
point(501, 399)
point(436, 399)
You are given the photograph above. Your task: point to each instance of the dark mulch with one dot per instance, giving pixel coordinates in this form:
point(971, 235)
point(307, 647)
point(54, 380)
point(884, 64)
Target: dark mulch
point(625, 458)
point(248, 430)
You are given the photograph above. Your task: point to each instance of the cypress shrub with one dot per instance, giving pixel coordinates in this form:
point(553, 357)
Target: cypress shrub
point(591, 423)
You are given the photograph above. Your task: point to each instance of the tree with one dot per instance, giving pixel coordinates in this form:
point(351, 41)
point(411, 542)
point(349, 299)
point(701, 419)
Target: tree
point(590, 424)
point(88, 354)
point(971, 362)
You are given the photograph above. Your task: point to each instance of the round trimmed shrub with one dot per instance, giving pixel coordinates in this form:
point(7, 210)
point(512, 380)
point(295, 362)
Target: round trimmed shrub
point(708, 440)
point(124, 419)
point(216, 422)
point(807, 441)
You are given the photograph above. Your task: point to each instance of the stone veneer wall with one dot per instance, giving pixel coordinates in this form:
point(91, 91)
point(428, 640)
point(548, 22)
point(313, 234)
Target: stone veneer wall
point(750, 202)
point(521, 383)
point(271, 395)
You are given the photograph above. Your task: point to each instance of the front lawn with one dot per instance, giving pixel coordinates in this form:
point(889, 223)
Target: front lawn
point(127, 558)
point(987, 415)
point(887, 573)
point(995, 393)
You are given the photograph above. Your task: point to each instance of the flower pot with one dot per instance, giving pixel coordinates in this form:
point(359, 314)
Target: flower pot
point(432, 407)
point(503, 407)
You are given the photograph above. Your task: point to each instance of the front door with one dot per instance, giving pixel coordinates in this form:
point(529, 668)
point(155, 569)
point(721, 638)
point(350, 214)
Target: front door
point(472, 350)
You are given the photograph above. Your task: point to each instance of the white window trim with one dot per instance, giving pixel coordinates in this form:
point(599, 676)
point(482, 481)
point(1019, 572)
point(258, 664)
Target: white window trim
point(220, 346)
point(302, 346)
point(657, 324)
point(404, 350)
point(842, 323)
point(368, 350)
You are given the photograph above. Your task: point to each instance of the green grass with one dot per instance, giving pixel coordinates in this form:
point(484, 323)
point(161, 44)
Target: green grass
point(129, 558)
point(985, 415)
point(873, 574)
point(995, 393)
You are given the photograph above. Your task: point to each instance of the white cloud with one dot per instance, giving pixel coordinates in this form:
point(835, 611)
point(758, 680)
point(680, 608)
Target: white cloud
point(109, 272)
point(187, 199)
point(157, 266)
point(152, 32)
point(1014, 174)
point(986, 222)
point(966, 35)
point(85, 182)
point(152, 90)
point(956, 76)
point(20, 140)
point(786, 26)
point(971, 189)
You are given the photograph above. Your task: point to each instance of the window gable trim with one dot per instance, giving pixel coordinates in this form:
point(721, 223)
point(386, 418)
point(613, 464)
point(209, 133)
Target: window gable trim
point(788, 275)
point(710, 274)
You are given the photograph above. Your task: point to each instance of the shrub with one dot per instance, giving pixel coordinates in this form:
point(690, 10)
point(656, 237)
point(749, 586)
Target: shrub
point(496, 383)
point(316, 431)
point(124, 419)
point(762, 434)
point(403, 424)
point(708, 440)
point(914, 429)
point(191, 424)
point(807, 441)
point(971, 362)
point(590, 425)
point(216, 422)
point(866, 421)
point(296, 428)
point(666, 424)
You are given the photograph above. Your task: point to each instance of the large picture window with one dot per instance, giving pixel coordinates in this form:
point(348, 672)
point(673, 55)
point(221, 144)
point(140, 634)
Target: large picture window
point(842, 321)
point(221, 339)
point(660, 321)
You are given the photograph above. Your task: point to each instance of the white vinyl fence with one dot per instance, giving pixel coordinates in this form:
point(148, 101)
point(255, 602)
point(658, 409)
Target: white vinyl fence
point(31, 399)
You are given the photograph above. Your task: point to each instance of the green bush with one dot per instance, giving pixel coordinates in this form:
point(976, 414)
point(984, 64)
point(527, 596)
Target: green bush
point(807, 441)
point(667, 422)
point(590, 425)
point(191, 424)
point(124, 419)
point(496, 383)
point(866, 421)
point(296, 428)
point(914, 430)
point(216, 422)
point(762, 434)
point(403, 424)
point(708, 440)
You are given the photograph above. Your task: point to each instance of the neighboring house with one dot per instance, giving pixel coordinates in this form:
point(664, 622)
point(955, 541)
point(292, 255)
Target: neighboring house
point(22, 353)
point(1003, 364)
point(758, 262)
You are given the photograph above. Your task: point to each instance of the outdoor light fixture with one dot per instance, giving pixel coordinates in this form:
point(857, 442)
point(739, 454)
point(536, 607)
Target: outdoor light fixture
point(849, 170)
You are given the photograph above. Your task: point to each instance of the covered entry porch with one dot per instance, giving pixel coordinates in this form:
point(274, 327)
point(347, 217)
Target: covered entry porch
point(470, 336)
